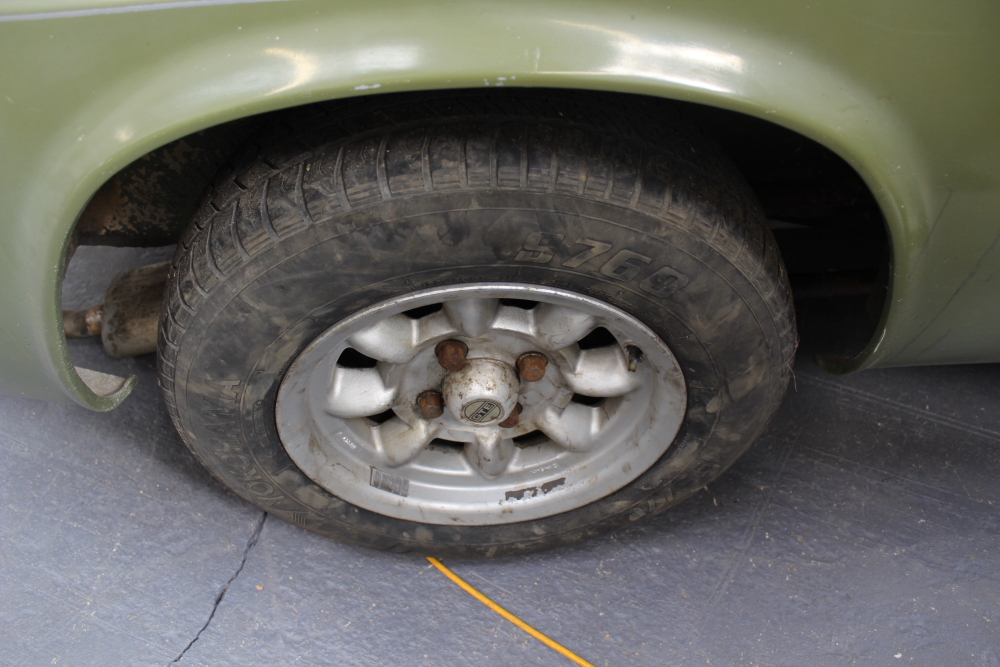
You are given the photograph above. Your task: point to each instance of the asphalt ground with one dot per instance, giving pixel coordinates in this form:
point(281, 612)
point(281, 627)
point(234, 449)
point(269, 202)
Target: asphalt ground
point(862, 528)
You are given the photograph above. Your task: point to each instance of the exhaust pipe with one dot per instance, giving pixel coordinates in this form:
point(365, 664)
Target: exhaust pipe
point(128, 320)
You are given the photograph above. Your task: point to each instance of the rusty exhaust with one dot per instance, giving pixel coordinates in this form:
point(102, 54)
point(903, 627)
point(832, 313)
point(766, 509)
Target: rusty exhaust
point(129, 318)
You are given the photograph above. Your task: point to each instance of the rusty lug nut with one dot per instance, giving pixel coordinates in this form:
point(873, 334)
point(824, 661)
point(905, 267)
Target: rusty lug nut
point(431, 404)
point(531, 366)
point(513, 419)
point(451, 354)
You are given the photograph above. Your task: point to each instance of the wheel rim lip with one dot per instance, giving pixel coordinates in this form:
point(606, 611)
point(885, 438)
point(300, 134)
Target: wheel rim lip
point(324, 447)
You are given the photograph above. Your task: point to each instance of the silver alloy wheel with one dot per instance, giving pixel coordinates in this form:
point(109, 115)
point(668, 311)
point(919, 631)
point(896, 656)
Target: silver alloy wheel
point(609, 405)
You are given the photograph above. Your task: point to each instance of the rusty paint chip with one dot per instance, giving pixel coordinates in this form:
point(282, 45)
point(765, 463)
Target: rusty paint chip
point(548, 486)
point(532, 491)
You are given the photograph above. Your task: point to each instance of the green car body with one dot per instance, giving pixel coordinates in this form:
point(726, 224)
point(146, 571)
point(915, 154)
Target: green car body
point(905, 92)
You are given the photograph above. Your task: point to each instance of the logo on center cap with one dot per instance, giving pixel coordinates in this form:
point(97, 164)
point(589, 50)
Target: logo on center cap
point(479, 412)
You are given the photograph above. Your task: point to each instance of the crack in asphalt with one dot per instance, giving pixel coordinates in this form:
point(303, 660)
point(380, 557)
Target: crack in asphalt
point(254, 536)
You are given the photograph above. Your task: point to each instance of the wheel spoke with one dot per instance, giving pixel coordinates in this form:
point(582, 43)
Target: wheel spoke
point(472, 317)
point(400, 442)
point(557, 326)
point(601, 371)
point(490, 453)
point(391, 339)
point(576, 427)
point(358, 392)
point(518, 320)
point(432, 326)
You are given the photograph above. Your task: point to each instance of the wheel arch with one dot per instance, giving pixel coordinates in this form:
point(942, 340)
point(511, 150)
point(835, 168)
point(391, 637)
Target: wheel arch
point(289, 59)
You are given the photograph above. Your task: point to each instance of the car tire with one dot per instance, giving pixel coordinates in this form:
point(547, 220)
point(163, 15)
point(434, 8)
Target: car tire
point(310, 294)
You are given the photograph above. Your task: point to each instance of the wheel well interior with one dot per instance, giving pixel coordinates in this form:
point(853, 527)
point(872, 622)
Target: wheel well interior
point(828, 225)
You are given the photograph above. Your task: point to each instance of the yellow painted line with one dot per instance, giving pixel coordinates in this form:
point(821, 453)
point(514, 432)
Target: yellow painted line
point(551, 643)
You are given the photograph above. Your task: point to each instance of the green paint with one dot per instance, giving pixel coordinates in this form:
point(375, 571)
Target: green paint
point(904, 90)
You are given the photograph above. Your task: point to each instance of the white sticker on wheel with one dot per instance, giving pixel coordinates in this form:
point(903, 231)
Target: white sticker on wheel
point(391, 483)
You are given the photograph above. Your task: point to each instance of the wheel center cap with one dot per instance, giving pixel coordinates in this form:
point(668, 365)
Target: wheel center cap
point(482, 392)
point(480, 412)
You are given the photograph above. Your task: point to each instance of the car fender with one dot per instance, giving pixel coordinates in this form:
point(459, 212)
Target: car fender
point(92, 86)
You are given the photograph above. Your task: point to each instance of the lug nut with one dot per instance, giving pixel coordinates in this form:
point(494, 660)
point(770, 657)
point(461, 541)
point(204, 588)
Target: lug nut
point(531, 366)
point(451, 354)
point(513, 419)
point(431, 404)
